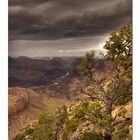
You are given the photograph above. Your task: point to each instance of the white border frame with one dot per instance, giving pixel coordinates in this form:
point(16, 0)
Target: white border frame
point(136, 69)
point(4, 70)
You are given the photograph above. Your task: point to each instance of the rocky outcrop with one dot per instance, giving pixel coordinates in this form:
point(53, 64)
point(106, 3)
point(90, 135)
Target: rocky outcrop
point(18, 100)
point(24, 105)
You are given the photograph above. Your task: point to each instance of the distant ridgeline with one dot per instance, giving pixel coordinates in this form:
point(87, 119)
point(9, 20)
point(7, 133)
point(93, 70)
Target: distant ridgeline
point(27, 72)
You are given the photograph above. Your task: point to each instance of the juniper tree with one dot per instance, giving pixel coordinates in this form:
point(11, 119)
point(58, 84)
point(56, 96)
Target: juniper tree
point(116, 82)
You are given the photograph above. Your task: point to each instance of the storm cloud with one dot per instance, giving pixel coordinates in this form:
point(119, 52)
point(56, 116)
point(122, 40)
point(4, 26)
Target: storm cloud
point(61, 20)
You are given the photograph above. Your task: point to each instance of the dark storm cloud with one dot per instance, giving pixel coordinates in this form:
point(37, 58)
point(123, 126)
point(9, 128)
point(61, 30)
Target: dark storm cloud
point(25, 2)
point(58, 19)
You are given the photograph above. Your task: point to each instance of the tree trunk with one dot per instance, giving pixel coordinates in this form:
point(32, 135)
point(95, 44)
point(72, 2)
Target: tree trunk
point(56, 134)
point(108, 137)
point(109, 107)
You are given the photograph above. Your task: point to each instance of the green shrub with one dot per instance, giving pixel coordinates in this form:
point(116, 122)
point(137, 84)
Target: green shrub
point(19, 137)
point(124, 99)
point(91, 136)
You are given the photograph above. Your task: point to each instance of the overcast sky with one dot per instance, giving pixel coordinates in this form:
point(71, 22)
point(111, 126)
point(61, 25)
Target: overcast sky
point(63, 27)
